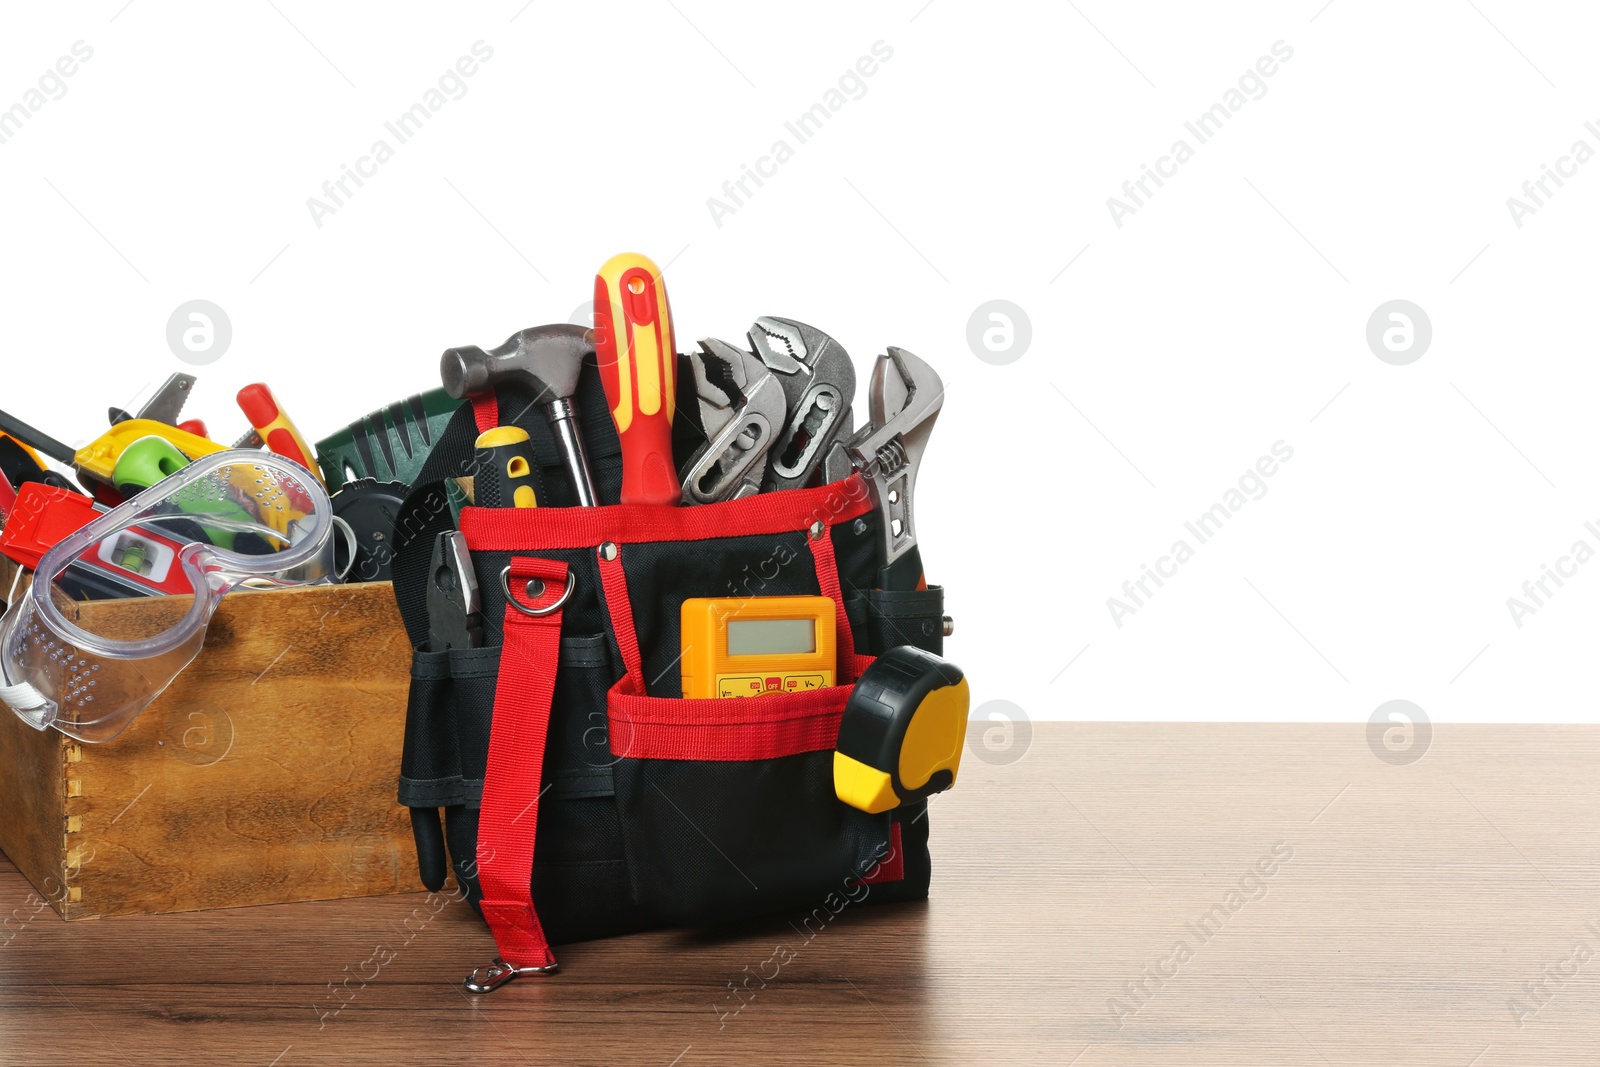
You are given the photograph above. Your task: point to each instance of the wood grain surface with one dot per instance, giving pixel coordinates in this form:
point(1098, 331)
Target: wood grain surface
point(265, 773)
point(1439, 913)
point(33, 802)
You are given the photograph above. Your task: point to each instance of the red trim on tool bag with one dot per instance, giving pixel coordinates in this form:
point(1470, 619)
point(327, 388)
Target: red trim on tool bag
point(511, 529)
point(723, 730)
point(892, 868)
point(614, 581)
point(509, 819)
point(850, 664)
point(485, 411)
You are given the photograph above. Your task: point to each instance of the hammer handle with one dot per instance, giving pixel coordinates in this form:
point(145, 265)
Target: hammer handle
point(564, 420)
point(639, 368)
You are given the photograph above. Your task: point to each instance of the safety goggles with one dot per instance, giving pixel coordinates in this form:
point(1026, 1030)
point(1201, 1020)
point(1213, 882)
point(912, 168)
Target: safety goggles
point(232, 518)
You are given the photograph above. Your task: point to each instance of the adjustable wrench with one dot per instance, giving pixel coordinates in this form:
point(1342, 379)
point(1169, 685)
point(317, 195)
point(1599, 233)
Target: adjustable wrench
point(903, 399)
point(742, 405)
point(819, 382)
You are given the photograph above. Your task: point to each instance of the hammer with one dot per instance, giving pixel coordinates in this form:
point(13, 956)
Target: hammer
point(546, 359)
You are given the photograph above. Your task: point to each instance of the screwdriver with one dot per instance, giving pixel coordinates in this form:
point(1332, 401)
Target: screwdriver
point(639, 368)
point(506, 475)
point(267, 417)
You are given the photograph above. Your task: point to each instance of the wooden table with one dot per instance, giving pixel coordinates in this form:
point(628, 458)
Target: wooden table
point(1442, 912)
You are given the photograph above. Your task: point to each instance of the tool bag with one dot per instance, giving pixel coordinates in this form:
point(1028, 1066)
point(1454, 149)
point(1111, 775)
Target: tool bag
point(583, 796)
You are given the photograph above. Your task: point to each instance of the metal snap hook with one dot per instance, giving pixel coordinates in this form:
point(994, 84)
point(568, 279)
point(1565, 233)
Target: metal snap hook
point(488, 979)
point(505, 584)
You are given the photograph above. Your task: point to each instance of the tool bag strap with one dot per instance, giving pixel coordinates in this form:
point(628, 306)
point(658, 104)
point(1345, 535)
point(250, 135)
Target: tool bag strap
point(850, 664)
point(485, 411)
point(512, 781)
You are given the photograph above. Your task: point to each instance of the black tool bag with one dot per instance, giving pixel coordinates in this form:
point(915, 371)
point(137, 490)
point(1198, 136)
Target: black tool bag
point(583, 797)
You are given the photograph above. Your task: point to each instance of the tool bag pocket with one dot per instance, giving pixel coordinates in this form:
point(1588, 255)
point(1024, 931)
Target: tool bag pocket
point(447, 727)
point(728, 808)
point(583, 796)
point(885, 618)
point(451, 708)
point(581, 880)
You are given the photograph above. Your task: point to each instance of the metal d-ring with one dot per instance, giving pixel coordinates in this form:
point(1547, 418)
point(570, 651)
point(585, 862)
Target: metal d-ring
point(505, 583)
point(488, 979)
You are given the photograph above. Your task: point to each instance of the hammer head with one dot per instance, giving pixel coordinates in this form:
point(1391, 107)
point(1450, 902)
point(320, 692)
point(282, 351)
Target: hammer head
point(546, 359)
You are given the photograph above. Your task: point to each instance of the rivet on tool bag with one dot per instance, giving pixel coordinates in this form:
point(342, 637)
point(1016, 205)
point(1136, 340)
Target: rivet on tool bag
point(583, 794)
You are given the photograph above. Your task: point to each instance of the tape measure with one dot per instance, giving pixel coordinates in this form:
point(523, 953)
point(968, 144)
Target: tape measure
point(753, 646)
point(901, 734)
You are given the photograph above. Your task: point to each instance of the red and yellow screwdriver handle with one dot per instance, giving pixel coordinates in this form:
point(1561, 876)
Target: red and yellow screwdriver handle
point(639, 368)
point(277, 432)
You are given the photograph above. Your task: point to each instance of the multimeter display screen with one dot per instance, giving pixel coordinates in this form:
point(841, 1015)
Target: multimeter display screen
point(767, 637)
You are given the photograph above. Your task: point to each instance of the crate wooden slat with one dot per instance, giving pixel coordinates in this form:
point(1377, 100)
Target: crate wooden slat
point(264, 774)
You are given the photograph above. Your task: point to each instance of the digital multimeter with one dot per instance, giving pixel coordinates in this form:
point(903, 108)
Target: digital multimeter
point(754, 646)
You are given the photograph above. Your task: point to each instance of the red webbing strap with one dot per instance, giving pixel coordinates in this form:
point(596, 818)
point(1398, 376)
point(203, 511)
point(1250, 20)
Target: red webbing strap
point(509, 819)
point(485, 411)
point(615, 583)
point(850, 664)
point(719, 730)
point(793, 511)
point(891, 866)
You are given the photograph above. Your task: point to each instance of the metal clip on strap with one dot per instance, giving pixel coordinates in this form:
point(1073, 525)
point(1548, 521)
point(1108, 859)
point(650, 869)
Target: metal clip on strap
point(509, 815)
point(488, 979)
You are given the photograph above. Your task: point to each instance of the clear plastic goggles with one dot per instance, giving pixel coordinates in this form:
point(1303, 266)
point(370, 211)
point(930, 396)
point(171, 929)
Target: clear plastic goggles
point(232, 518)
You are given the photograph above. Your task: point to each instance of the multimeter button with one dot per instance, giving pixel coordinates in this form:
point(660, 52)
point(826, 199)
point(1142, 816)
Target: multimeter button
point(748, 685)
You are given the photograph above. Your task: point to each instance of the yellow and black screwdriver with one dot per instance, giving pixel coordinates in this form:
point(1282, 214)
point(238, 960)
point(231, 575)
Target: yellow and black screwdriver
point(507, 474)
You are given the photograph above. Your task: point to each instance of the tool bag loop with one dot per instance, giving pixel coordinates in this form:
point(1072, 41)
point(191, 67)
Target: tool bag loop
point(850, 664)
point(514, 780)
point(615, 583)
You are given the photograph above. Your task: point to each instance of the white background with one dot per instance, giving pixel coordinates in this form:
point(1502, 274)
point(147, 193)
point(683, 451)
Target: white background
point(1227, 314)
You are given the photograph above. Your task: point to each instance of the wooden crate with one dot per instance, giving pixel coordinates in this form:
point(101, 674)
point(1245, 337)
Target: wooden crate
point(265, 773)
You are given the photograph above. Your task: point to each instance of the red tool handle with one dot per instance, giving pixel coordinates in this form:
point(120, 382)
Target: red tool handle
point(639, 368)
point(267, 417)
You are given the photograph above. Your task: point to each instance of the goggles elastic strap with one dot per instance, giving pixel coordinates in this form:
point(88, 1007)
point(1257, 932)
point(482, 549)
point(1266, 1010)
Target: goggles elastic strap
point(22, 697)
